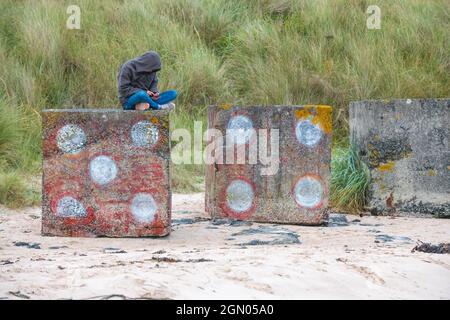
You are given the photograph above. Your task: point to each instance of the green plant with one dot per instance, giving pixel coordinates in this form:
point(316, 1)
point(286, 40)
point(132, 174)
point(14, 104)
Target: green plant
point(188, 177)
point(350, 179)
point(17, 190)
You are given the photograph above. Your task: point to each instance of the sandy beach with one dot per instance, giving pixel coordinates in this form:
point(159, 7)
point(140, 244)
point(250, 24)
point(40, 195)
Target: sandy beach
point(352, 258)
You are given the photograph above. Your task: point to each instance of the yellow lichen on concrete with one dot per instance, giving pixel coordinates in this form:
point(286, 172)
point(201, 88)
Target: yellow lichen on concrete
point(226, 106)
point(52, 118)
point(431, 172)
point(304, 113)
point(318, 114)
point(324, 118)
point(389, 166)
point(155, 120)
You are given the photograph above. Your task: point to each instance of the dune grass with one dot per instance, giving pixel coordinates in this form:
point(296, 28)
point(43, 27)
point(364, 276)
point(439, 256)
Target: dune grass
point(214, 51)
point(19, 190)
point(350, 180)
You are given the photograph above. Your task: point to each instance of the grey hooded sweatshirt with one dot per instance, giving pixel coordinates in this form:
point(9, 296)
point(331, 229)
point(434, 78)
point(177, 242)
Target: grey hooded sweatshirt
point(138, 74)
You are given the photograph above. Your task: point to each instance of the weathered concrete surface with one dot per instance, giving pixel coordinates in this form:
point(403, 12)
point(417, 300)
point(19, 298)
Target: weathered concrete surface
point(106, 173)
point(298, 192)
point(406, 146)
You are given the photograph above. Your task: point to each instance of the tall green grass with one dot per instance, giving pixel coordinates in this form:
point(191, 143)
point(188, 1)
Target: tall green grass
point(214, 51)
point(350, 180)
point(18, 190)
point(188, 177)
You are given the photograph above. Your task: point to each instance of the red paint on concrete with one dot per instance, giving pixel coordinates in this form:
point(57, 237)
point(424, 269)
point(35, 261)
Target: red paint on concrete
point(143, 169)
point(229, 212)
point(324, 187)
point(274, 200)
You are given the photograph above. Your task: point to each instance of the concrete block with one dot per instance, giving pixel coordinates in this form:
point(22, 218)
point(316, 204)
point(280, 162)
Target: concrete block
point(298, 192)
point(405, 144)
point(106, 173)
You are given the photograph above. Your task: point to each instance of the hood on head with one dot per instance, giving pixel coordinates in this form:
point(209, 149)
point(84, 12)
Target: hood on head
point(148, 62)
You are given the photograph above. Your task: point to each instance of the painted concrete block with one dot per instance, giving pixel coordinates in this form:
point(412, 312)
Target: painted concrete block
point(106, 173)
point(298, 191)
point(406, 145)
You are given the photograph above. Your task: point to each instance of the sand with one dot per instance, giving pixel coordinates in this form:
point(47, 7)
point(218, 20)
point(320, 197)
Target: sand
point(366, 258)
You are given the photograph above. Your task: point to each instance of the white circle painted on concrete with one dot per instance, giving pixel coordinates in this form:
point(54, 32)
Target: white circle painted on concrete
point(102, 169)
point(143, 207)
point(240, 195)
point(308, 133)
point(144, 134)
point(70, 207)
point(240, 129)
point(71, 139)
point(308, 192)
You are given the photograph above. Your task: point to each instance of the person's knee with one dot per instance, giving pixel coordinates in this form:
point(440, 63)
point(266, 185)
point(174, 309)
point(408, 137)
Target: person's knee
point(141, 96)
point(172, 94)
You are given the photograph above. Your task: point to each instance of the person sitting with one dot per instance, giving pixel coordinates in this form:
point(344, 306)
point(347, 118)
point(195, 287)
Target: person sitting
point(138, 84)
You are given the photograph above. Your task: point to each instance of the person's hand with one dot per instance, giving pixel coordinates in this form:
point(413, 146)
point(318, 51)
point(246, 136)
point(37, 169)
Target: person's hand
point(155, 95)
